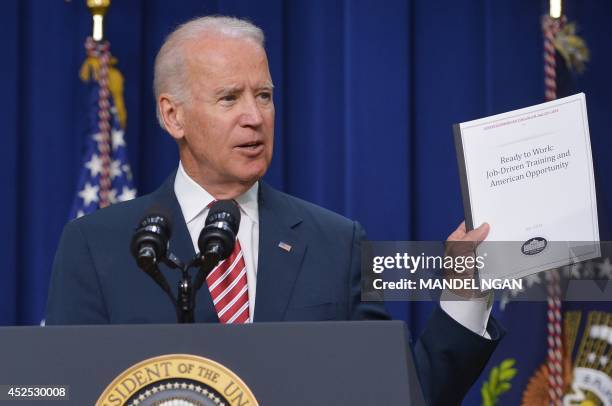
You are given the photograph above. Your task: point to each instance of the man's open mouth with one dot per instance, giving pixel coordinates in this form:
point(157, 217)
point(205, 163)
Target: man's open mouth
point(251, 145)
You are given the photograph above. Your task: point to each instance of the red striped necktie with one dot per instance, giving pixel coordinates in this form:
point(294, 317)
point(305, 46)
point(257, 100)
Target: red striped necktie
point(228, 288)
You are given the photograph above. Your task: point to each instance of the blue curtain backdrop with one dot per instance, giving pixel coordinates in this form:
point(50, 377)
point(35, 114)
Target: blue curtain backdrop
point(366, 93)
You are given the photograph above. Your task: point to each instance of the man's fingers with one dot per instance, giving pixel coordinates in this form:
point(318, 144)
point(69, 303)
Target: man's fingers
point(459, 233)
point(462, 227)
point(478, 234)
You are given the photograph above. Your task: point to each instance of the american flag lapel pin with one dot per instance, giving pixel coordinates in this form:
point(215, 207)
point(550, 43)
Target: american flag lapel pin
point(284, 246)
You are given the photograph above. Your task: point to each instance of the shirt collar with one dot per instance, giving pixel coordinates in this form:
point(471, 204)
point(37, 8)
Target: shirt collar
point(194, 199)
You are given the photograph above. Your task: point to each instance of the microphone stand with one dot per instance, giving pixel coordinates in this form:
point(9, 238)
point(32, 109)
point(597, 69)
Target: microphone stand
point(184, 302)
point(187, 290)
point(158, 277)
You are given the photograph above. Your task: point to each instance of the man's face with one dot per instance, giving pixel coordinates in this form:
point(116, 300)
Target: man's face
point(228, 120)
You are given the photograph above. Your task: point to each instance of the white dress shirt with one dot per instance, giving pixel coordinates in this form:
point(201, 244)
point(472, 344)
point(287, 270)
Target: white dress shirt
point(472, 314)
point(194, 201)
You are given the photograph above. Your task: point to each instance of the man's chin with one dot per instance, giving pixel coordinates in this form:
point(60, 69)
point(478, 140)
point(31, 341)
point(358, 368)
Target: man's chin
point(253, 172)
point(251, 179)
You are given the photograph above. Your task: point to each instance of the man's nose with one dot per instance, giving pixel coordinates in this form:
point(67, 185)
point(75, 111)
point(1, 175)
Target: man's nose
point(251, 115)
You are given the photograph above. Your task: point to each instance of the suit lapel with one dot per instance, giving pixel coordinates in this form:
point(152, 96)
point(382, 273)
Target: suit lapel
point(182, 247)
point(278, 266)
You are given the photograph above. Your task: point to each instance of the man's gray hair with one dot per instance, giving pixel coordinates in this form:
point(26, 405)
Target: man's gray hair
point(170, 76)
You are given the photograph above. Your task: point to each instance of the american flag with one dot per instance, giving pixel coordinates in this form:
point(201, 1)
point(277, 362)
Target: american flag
point(105, 150)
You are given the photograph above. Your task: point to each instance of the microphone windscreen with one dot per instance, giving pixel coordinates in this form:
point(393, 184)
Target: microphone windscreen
point(159, 215)
point(225, 210)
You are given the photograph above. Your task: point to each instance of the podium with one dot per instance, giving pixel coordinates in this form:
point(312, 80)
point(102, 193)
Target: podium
point(308, 363)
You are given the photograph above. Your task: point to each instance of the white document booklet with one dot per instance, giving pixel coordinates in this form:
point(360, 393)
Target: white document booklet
point(529, 174)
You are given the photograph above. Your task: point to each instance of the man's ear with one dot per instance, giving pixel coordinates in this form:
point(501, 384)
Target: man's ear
point(171, 114)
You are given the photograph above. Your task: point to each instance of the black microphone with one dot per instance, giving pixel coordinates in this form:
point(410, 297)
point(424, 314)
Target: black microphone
point(150, 246)
point(150, 241)
point(218, 237)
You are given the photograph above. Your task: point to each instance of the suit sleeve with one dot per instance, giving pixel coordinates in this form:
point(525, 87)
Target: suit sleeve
point(75, 296)
point(448, 357)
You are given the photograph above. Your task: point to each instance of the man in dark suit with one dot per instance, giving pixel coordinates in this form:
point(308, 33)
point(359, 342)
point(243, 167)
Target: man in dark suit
point(292, 261)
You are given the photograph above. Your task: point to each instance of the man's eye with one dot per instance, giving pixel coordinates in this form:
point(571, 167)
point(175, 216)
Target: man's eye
point(265, 96)
point(228, 98)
